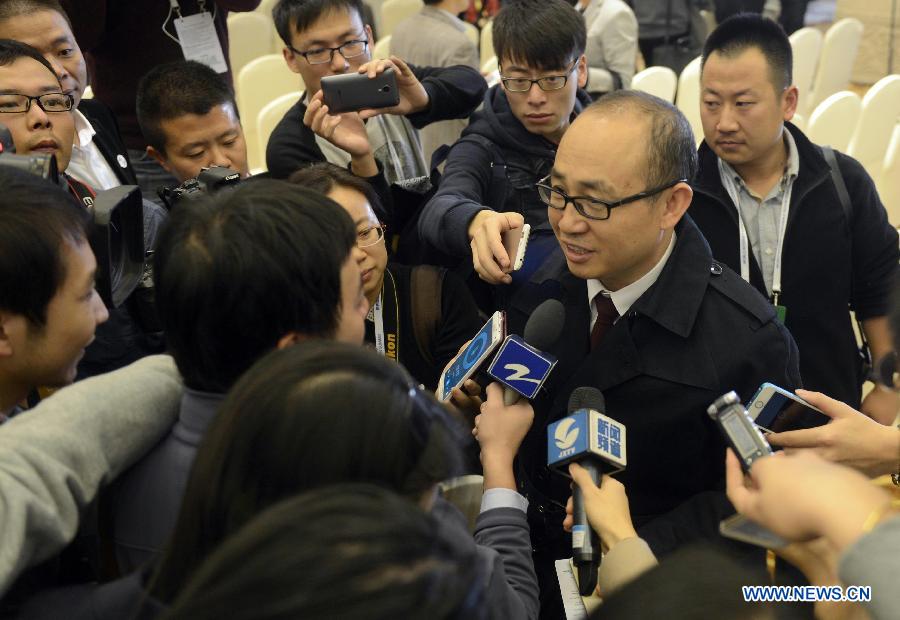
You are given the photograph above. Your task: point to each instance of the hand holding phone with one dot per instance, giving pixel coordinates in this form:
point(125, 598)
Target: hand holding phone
point(515, 242)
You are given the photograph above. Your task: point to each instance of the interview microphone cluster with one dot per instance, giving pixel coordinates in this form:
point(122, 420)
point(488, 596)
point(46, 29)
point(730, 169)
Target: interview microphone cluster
point(521, 364)
point(596, 442)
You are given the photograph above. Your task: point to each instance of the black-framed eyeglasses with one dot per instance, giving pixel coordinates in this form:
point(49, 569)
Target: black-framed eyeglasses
point(592, 208)
point(369, 236)
point(319, 56)
point(12, 103)
point(546, 83)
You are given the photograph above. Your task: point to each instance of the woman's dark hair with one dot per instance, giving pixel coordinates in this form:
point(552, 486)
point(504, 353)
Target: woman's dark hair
point(322, 177)
point(345, 551)
point(694, 583)
point(236, 271)
point(305, 417)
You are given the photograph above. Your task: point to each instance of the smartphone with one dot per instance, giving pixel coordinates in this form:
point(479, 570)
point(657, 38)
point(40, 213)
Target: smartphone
point(515, 242)
point(350, 92)
point(739, 527)
point(467, 362)
point(775, 410)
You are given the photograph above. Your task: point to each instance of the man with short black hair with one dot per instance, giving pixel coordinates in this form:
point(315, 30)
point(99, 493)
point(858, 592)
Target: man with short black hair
point(652, 320)
point(770, 203)
point(240, 273)
point(330, 37)
point(49, 307)
point(189, 118)
point(38, 114)
point(487, 187)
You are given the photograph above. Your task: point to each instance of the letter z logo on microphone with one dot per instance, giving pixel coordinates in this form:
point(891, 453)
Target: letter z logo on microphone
point(521, 367)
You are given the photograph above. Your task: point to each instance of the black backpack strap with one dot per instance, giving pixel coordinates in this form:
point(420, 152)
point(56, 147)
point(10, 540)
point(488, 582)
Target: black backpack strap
point(426, 283)
point(838, 179)
point(847, 205)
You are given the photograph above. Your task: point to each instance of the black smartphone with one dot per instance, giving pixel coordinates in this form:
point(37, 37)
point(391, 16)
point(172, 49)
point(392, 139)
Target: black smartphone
point(776, 410)
point(351, 92)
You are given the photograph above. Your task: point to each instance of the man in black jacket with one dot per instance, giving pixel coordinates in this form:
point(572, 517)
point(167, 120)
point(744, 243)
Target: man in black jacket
point(330, 37)
point(770, 205)
point(99, 157)
point(652, 320)
point(487, 187)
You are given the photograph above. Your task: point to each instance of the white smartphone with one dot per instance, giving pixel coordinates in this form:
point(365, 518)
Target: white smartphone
point(515, 242)
point(464, 365)
point(739, 527)
point(775, 410)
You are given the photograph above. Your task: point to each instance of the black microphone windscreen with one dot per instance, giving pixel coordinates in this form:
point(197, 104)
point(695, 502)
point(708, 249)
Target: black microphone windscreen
point(545, 325)
point(587, 398)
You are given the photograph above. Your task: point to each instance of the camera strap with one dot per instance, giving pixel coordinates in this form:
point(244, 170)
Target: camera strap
point(83, 193)
point(386, 315)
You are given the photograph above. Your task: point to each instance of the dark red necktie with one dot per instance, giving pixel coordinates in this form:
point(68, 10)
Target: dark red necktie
point(606, 316)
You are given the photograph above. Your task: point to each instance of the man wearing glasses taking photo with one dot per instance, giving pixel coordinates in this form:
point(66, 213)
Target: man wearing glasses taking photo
point(652, 321)
point(487, 187)
point(330, 37)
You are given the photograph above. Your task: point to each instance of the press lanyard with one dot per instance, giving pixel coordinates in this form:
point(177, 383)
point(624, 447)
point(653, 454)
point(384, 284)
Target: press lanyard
point(733, 193)
point(387, 345)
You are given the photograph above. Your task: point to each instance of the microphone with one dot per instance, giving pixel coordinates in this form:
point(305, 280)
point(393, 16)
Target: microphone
point(597, 443)
point(520, 364)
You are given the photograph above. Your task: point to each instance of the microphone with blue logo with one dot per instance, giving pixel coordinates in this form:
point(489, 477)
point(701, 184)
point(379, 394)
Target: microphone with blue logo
point(597, 443)
point(521, 365)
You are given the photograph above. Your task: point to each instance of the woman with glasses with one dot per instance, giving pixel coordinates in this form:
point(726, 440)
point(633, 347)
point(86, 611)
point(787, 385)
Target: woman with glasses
point(421, 315)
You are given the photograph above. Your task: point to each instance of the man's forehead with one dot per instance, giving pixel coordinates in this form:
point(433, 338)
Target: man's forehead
point(28, 76)
point(512, 65)
point(330, 26)
point(37, 28)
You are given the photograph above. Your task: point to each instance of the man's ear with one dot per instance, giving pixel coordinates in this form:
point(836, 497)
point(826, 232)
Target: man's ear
point(676, 204)
point(152, 152)
point(582, 72)
point(789, 102)
point(6, 329)
point(289, 340)
point(293, 60)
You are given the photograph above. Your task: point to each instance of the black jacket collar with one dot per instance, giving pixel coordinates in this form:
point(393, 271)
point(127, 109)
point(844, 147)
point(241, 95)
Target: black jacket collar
point(813, 171)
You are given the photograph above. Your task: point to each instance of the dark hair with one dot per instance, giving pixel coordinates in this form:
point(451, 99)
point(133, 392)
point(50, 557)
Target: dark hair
point(174, 89)
point(237, 271)
point(322, 177)
point(301, 14)
point(36, 219)
point(745, 30)
point(694, 583)
point(307, 416)
point(11, 51)
point(345, 551)
point(543, 34)
point(15, 8)
point(670, 147)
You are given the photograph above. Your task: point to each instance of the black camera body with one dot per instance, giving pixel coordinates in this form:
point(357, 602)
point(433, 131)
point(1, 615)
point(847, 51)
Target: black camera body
point(209, 180)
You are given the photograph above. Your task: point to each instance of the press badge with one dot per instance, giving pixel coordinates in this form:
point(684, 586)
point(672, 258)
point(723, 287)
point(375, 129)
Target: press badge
point(199, 41)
